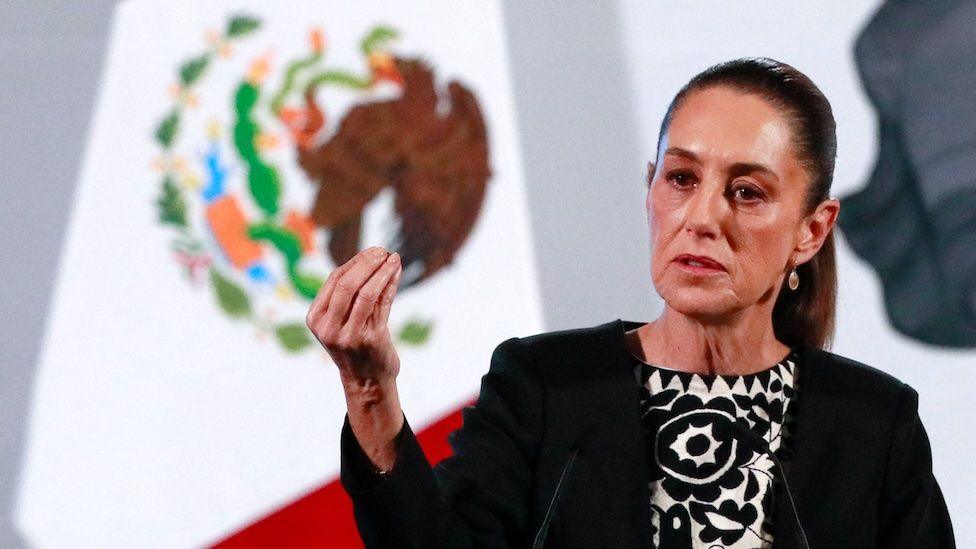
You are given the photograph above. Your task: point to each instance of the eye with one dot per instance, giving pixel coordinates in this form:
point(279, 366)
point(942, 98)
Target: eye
point(747, 193)
point(681, 178)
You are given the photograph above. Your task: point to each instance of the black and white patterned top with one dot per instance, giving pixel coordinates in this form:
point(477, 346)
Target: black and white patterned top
point(710, 486)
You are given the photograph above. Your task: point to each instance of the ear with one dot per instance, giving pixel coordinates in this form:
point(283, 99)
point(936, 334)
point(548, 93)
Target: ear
point(647, 181)
point(814, 230)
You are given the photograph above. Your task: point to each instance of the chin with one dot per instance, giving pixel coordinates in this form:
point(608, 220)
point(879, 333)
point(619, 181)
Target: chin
point(699, 302)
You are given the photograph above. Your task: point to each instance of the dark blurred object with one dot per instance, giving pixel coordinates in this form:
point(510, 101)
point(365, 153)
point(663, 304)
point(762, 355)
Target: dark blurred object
point(915, 221)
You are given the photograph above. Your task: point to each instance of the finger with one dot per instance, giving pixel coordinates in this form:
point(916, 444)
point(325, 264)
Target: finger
point(325, 292)
point(381, 313)
point(348, 285)
point(369, 295)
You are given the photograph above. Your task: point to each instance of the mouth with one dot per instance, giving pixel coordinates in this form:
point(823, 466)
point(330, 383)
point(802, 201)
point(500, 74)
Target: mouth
point(699, 264)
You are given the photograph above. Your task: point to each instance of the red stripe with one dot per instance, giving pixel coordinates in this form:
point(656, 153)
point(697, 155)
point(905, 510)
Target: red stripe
point(325, 515)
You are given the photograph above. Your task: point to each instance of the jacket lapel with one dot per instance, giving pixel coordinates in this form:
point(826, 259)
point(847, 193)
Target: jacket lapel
point(617, 444)
point(814, 420)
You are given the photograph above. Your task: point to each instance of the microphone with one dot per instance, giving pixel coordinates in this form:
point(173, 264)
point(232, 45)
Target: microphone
point(540, 536)
point(584, 434)
point(760, 442)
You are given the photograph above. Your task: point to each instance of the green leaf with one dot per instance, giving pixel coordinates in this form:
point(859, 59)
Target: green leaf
point(191, 70)
point(291, 74)
point(240, 25)
point(415, 332)
point(308, 285)
point(265, 185)
point(167, 129)
point(285, 240)
point(377, 36)
point(339, 78)
point(232, 299)
point(293, 337)
point(172, 207)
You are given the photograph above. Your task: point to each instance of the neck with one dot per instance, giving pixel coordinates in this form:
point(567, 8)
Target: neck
point(743, 344)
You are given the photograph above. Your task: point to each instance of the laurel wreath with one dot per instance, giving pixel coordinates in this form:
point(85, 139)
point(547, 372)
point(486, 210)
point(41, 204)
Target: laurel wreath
point(263, 182)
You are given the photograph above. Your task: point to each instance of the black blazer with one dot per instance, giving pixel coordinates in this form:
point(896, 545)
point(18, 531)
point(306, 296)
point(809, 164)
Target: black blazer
point(565, 405)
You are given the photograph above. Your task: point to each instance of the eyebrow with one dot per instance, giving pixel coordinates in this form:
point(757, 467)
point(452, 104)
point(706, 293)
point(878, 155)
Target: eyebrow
point(737, 168)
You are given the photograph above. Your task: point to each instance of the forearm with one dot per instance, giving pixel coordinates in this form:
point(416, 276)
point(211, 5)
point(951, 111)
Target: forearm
point(375, 417)
point(478, 496)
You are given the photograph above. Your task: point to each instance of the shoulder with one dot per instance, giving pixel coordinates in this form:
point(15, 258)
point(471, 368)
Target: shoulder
point(851, 371)
point(524, 367)
point(566, 353)
point(594, 335)
point(845, 381)
point(565, 343)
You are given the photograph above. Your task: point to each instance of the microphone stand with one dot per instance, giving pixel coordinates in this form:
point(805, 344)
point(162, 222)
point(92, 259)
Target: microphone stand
point(761, 443)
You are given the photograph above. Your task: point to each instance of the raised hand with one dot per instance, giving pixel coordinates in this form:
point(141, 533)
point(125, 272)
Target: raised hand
point(349, 318)
point(350, 313)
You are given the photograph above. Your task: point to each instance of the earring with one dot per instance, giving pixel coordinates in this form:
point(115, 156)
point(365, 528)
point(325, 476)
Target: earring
point(794, 279)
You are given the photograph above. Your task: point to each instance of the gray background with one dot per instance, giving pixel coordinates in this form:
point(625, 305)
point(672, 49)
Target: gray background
point(582, 164)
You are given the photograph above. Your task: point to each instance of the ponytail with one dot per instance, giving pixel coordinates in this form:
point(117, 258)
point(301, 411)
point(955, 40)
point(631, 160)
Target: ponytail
point(805, 316)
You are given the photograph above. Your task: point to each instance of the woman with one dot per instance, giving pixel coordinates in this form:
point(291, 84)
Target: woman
point(722, 423)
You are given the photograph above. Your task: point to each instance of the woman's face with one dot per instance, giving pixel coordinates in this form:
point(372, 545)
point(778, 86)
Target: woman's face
point(726, 205)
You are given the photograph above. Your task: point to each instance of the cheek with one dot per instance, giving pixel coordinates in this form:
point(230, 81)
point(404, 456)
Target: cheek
point(662, 215)
point(762, 250)
point(662, 225)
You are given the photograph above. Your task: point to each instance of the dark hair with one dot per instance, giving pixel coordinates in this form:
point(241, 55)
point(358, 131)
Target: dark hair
point(804, 316)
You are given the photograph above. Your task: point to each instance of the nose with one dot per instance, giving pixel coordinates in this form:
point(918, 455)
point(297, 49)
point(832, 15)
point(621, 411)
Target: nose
point(705, 209)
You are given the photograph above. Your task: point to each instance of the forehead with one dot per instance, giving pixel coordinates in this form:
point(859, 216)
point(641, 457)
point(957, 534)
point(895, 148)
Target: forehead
point(723, 125)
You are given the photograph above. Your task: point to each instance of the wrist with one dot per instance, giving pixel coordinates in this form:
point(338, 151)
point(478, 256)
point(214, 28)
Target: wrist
point(368, 393)
point(374, 409)
point(377, 427)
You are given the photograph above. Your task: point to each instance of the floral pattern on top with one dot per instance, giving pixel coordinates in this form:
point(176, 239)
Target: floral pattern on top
point(712, 486)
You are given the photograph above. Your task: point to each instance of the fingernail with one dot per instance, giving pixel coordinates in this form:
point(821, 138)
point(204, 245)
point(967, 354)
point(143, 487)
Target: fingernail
point(393, 258)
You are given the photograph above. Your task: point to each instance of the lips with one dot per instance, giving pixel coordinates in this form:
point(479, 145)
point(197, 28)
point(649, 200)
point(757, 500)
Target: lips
point(699, 262)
